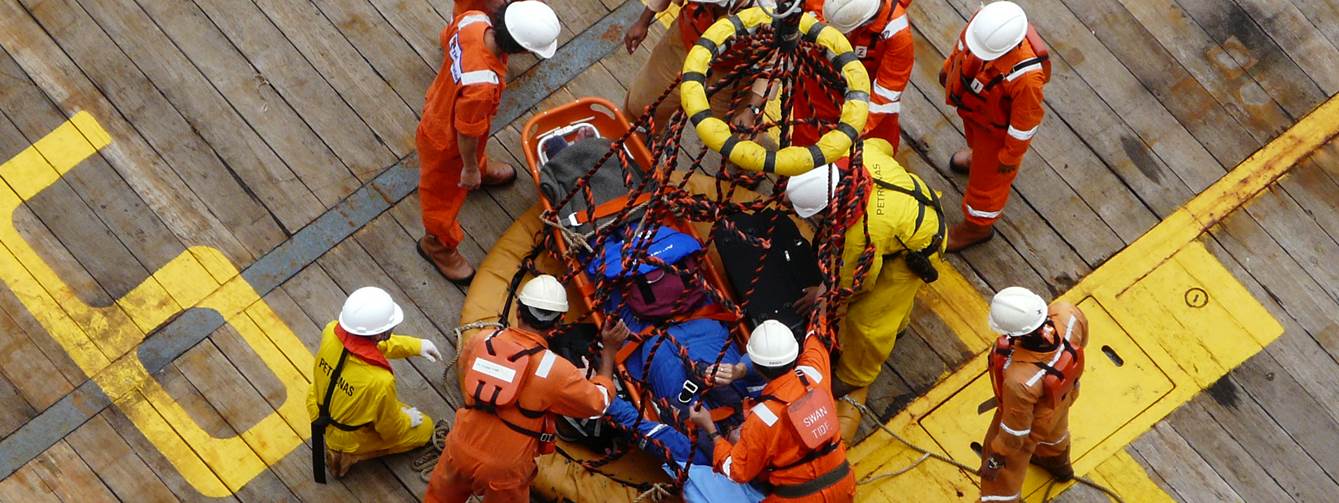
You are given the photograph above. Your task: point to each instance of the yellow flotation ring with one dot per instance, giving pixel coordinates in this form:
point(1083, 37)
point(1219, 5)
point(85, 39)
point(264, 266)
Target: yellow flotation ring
point(748, 154)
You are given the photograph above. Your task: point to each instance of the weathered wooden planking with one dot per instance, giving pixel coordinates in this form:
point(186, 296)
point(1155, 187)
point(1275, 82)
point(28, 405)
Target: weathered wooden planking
point(348, 71)
point(419, 24)
point(255, 98)
point(1324, 15)
point(1315, 190)
point(218, 409)
point(14, 410)
point(134, 159)
point(109, 456)
point(68, 477)
point(1214, 66)
point(26, 485)
point(1187, 476)
point(208, 112)
point(136, 226)
point(917, 364)
point(408, 213)
point(281, 65)
point(40, 379)
point(1253, 49)
point(150, 455)
point(1300, 414)
point(389, 53)
point(153, 116)
point(1290, 28)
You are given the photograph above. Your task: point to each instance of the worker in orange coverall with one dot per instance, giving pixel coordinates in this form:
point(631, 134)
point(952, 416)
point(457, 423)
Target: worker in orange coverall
point(790, 442)
point(994, 78)
point(881, 37)
point(1035, 369)
point(514, 387)
point(457, 117)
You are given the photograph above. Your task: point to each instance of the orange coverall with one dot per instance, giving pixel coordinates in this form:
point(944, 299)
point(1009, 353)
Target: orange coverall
point(1000, 103)
point(885, 47)
point(485, 456)
point(1024, 423)
point(768, 442)
point(461, 103)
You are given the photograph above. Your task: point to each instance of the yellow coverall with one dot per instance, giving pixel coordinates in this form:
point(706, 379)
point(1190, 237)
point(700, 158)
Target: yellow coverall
point(882, 307)
point(367, 396)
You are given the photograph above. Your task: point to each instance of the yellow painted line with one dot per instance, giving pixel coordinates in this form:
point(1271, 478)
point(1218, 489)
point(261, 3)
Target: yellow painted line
point(1178, 319)
point(103, 341)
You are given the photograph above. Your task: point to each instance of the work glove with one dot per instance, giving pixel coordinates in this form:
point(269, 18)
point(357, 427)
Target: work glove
point(415, 417)
point(429, 351)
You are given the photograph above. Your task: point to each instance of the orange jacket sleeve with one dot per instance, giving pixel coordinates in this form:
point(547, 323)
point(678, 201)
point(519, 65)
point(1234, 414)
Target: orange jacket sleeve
point(475, 108)
point(815, 355)
point(1015, 418)
point(1025, 115)
point(568, 391)
point(894, 72)
point(744, 461)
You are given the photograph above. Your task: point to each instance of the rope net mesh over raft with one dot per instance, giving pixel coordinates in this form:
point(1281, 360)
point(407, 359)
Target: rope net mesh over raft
point(754, 56)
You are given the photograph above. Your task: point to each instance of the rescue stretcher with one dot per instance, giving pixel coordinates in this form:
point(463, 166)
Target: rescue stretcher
point(561, 476)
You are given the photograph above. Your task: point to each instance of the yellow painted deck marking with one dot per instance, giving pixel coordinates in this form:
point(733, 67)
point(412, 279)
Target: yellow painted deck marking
point(103, 341)
point(1165, 305)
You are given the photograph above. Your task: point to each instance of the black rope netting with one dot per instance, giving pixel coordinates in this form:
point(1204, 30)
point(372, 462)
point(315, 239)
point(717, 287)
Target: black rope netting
point(760, 54)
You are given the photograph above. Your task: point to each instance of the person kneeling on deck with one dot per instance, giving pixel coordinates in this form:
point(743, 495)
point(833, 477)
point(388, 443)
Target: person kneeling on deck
point(906, 226)
point(514, 388)
point(790, 438)
point(1035, 369)
point(457, 116)
point(368, 420)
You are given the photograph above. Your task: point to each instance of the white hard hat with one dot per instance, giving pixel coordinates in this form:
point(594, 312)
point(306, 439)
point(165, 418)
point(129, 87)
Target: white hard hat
point(807, 193)
point(370, 311)
point(546, 293)
point(534, 25)
point(1016, 311)
point(772, 344)
point(996, 29)
point(847, 15)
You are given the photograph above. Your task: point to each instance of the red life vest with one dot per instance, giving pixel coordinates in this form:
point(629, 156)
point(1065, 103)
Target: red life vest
point(1062, 372)
point(978, 93)
point(814, 417)
point(493, 379)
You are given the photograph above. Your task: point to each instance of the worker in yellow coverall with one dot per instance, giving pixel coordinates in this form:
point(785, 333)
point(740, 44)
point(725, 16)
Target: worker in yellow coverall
point(360, 418)
point(907, 229)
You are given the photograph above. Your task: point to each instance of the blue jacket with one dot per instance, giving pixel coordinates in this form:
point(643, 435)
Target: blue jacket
point(666, 373)
point(704, 485)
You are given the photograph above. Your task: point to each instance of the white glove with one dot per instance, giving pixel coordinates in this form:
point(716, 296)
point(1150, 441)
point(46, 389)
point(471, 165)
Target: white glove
point(429, 351)
point(415, 417)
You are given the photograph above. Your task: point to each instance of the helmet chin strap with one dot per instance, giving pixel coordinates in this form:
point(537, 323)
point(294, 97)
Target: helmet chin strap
point(1038, 341)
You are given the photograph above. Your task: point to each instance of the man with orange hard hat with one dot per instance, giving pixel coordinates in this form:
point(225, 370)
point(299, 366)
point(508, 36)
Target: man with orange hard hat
point(1035, 369)
point(994, 78)
point(513, 387)
point(881, 37)
point(790, 440)
point(457, 117)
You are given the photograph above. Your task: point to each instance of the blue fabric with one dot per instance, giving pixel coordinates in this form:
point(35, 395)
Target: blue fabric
point(667, 244)
point(665, 374)
point(704, 485)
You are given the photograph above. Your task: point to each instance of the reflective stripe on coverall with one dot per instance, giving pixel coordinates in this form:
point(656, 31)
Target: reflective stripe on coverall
point(767, 439)
point(366, 396)
point(886, 48)
point(485, 456)
point(1025, 423)
point(999, 124)
point(460, 103)
point(882, 307)
point(666, 62)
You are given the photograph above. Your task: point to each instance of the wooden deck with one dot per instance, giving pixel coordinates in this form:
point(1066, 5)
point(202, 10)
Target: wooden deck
point(275, 139)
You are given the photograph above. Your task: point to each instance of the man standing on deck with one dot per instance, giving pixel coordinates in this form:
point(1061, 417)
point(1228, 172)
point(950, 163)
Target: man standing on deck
point(367, 419)
point(881, 37)
point(457, 117)
point(1035, 369)
point(994, 78)
point(790, 439)
point(905, 225)
point(513, 387)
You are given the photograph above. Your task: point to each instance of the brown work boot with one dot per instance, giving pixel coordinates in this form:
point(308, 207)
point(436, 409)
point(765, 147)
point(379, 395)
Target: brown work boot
point(1058, 466)
point(448, 261)
point(967, 234)
point(961, 161)
point(497, 173)
point(848, 416)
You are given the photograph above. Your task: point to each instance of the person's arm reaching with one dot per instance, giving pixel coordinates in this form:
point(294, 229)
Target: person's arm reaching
point(574, 395)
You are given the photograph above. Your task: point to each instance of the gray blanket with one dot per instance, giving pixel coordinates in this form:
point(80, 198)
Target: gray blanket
point(559, 177)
